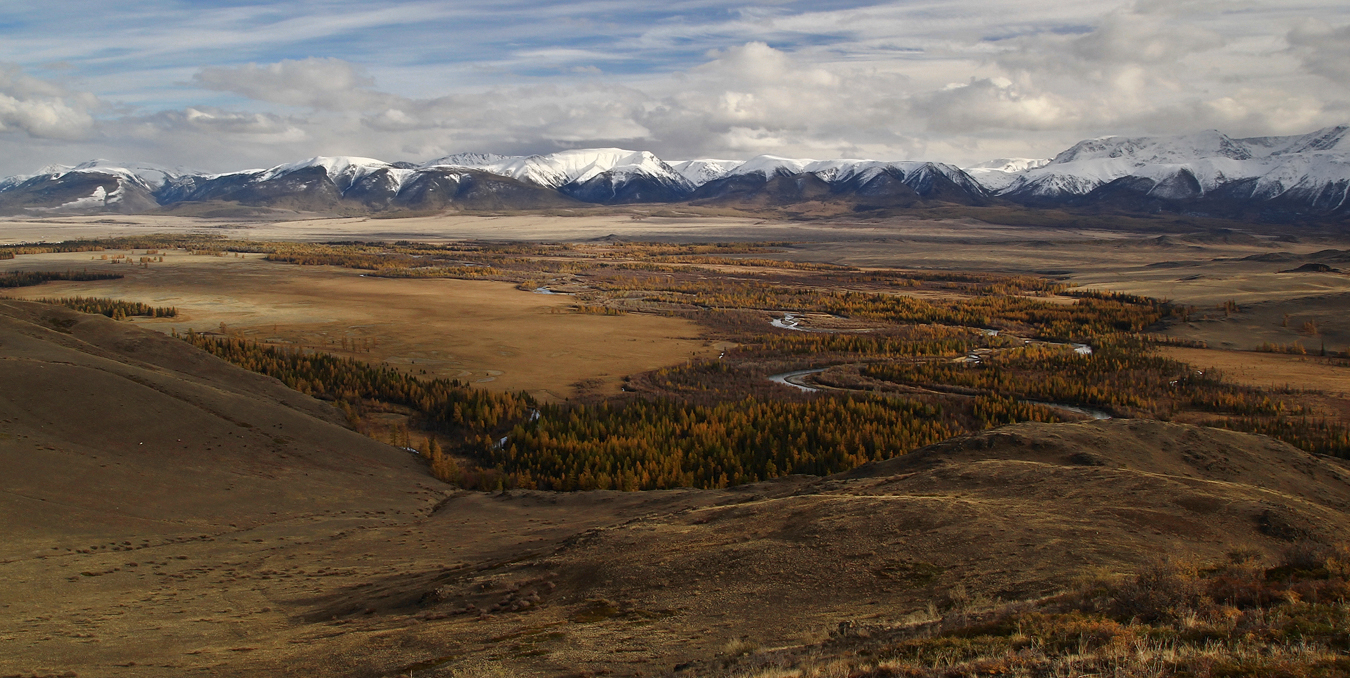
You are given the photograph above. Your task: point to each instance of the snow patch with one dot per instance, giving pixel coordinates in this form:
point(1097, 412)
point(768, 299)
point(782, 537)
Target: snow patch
point(97, 199)
point(342, 170)
point(699, 172)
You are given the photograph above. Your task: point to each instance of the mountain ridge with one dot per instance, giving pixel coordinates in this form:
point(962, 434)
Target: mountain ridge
point(1206, 173)
point(1203, 172)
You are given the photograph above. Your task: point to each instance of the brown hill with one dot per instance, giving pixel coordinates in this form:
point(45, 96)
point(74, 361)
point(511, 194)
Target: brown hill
point(108, 429)
point(165, 513)
point(1012, 514)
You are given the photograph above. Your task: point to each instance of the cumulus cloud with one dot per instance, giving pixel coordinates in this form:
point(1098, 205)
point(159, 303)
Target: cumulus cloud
point(993, 103)
point(958, 81)
point(42, 110)
point(754, 98)
point(321, 83)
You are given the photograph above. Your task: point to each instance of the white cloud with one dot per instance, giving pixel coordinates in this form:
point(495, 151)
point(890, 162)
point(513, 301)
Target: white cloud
point(43, 110)
point(254, 127)
point(1151, 38)
point(328, 83)
point(957, 80)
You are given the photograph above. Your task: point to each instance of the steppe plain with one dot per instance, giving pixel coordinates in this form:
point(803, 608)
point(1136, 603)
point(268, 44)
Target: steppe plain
point(168, 514)
point(1204, 268)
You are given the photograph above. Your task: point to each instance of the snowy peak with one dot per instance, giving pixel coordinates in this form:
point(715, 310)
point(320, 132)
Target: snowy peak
point(1009, 165)
point(607, 175)
point(770, 166)
point(146, 174)
point(1156, 150)
point(333, 165)
point(556, 170)
point(997, 175)
point(1309, 171)
point(1301, 174)
point(699, 172)
point(472, 160)
point(153, 175)
point(1330, 140)
point(342, 170)
point(839, 171)
point(772, 179)
point(600, 174)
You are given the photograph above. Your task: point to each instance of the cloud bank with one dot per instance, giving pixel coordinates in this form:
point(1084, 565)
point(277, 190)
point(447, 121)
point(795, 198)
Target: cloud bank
point(958, 81)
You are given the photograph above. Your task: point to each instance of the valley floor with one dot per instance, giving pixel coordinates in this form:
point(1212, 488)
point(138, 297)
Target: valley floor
point(166, 513)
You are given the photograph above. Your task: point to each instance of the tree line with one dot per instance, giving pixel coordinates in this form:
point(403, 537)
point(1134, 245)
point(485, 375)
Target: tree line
point(359, 388)
point(30, 278)
point(113, 308)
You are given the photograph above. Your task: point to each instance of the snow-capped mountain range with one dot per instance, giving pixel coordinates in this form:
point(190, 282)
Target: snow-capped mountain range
point(1208, 172)
point(1307, 173)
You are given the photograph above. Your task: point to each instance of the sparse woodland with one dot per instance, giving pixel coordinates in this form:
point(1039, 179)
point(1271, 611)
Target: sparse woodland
point(973, 351)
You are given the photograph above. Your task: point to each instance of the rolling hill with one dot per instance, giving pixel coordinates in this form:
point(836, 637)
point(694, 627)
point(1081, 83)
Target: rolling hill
point(169, 512)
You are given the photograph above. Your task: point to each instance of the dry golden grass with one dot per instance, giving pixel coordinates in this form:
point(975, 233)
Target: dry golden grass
point(1269, 370)
point(484, 332)
point(246, 536)
point(248, 562)
point(1328, 379)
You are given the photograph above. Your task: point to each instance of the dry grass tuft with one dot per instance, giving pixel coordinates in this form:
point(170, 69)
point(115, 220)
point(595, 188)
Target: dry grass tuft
point(1177, 617)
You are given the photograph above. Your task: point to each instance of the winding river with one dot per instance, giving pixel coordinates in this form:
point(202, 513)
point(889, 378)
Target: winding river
point(792, 321)
point(787, 377)
point(791, 379)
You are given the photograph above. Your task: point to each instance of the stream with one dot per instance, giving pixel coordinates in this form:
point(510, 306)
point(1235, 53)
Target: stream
point(788, 322)
point(791, 321)
point(1085, 411)
point(787, 378)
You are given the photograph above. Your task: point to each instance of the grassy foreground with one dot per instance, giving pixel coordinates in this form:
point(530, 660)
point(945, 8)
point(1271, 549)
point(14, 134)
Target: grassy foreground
point(1176, 618)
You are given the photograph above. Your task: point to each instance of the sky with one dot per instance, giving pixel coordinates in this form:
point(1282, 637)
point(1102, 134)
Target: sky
point(227, 85)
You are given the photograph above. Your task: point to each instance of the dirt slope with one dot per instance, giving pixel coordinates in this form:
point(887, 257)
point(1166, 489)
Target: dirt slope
point(108, 428)
point(165, 513)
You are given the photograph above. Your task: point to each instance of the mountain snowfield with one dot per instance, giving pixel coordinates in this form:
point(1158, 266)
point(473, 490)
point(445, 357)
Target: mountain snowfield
point(1312, 167)
point(556, 170)
point(996, 175)
point(146, 175)
point(1299, 175)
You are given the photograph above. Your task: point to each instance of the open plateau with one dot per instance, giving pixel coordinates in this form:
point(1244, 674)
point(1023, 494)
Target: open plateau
point(598, 414)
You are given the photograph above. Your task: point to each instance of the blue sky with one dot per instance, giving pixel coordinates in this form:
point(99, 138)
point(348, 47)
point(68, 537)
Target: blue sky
point(223, 85)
